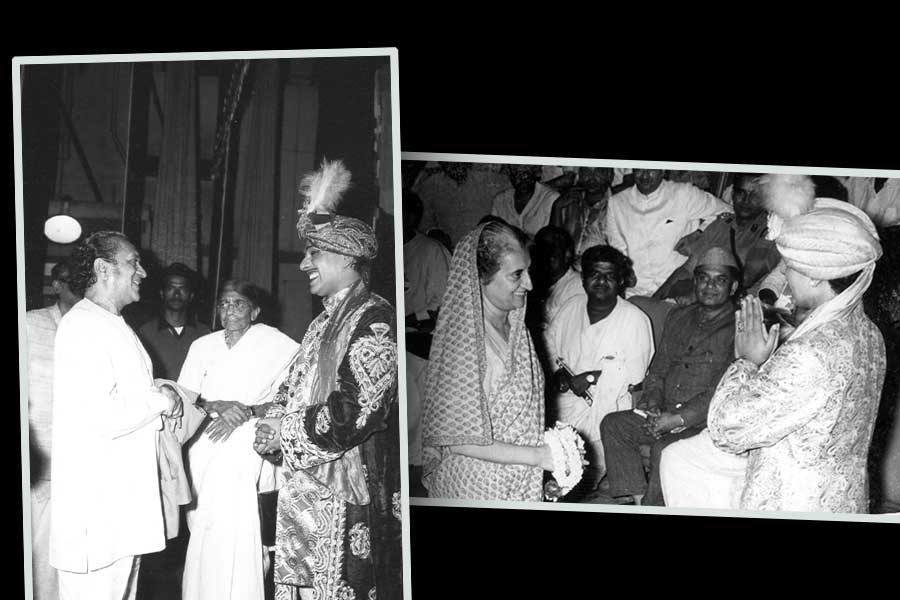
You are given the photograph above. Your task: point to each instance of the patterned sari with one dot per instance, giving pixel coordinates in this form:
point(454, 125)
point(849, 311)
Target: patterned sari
point(478, 391)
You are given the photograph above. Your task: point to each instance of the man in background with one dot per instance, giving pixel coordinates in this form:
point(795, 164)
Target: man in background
point(528, 204)
point(169, 336)
point(40, 330)
point(426, 265)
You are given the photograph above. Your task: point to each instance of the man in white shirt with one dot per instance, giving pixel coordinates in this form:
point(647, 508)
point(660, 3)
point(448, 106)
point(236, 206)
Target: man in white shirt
point(878, 197)
point(647, 220)
point(528, 204)
point(41, 327)
point(606, 344)
point(426, 265)
point(105, 494)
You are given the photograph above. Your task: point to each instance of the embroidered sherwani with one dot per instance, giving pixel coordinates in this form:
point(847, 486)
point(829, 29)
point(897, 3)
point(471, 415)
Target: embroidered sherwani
point(338, 529)
point(806, 417)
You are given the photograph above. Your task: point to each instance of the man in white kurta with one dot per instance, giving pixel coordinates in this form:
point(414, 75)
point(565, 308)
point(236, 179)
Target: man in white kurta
point(41, 325)
point(619, 345)
point(878, 197)
point(536, 211)
point(647, 220)
point(105, 496)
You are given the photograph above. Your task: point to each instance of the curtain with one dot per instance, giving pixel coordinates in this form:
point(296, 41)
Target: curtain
point(174, 235)
point(256, 189)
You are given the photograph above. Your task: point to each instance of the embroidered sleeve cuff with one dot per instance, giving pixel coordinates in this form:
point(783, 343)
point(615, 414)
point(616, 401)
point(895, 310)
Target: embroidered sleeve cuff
point(299, 451)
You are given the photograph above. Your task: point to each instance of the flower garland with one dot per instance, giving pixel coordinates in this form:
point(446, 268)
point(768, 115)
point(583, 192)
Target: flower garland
point(567, 449)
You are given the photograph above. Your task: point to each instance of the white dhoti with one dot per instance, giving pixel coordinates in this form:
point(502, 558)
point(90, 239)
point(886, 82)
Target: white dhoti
point(43, 576)
point(415, 396)
point(117, 581)
point(224, 558)
point(696, 474)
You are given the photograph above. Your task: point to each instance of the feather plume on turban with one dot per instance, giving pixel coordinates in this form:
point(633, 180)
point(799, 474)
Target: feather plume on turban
point(318, 222)
point(819, 237)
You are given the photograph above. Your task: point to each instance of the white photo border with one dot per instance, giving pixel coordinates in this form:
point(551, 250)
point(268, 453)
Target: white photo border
point(647, 164)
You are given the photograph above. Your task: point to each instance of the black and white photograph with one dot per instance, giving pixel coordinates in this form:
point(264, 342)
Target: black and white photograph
point(208, 302)
point(651, 335)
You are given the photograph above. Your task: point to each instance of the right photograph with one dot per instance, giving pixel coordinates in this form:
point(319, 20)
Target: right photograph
point(636, 334)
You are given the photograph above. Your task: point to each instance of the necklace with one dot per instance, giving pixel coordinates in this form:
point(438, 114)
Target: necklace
point(232, 337)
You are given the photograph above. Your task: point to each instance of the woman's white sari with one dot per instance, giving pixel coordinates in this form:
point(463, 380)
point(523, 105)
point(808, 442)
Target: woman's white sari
point(224, 555)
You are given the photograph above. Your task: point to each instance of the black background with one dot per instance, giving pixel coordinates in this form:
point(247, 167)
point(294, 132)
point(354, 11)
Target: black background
point(769, 92)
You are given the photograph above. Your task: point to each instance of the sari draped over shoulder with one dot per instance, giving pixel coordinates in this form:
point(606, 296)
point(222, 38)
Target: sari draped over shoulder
point(479, 389)
point(224, 555)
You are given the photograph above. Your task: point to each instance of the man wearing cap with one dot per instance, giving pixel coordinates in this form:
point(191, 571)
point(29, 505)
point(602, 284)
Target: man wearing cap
point(804, 413)
point(335, 419)
point(743, 232)
point(696, 347)
point(41, 327)
point(169, 336)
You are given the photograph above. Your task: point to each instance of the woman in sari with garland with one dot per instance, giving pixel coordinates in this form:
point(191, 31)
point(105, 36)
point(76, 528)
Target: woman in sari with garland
point(484, 406)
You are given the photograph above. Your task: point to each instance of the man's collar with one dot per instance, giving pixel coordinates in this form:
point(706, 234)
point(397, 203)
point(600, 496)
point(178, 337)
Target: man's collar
point(161, 323)
point(333, 301)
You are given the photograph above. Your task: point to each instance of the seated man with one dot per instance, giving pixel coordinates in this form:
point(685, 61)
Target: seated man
point(647, 220)
point(744, 232)
point(697, 346)
point(605, 343)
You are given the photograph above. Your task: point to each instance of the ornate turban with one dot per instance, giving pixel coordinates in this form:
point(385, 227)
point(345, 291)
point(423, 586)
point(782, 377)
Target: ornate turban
point(819, 237)
point(318, 222)
point(823, 239)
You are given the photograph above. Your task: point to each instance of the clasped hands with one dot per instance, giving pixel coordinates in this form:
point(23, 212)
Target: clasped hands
point(231, 415)
point(659, 422)
point(751, 340)
point(268, 436)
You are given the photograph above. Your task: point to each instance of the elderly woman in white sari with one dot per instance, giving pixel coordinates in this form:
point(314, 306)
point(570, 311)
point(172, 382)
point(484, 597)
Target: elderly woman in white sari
point(231, 372)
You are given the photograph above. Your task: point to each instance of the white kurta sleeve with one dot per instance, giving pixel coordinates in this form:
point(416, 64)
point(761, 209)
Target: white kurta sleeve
point(86, 381)
point(701, 205)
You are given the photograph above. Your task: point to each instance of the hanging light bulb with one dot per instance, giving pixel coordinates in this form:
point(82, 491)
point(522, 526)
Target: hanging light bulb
point(62, 228)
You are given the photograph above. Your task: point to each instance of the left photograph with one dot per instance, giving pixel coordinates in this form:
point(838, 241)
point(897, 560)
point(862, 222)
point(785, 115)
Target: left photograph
point(208, 325)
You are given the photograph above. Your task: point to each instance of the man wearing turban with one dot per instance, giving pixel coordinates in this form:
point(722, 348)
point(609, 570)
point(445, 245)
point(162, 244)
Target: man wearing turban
point(803, 413)
point(335, 419)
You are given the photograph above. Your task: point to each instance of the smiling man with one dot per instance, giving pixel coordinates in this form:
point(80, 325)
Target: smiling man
point(697, 346)
point(105, 497)
point(607, 343)
point(335, 419)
